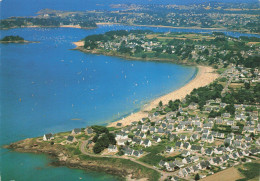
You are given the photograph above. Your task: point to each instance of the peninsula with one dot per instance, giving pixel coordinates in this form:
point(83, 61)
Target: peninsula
point(216, 49)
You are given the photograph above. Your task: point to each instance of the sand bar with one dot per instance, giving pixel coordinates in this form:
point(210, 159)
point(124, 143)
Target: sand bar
point(205, 76)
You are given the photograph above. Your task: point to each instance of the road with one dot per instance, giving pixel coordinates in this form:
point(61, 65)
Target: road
point(226, 86)
point(164, 175)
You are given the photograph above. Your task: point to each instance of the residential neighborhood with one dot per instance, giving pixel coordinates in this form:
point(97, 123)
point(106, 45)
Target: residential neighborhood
point(191, 140)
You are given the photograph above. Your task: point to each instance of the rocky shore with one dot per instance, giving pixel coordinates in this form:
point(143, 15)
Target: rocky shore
point(63, 156)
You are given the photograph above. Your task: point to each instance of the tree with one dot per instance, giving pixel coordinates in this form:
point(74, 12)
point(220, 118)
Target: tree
point(226, 144)
point(214, 114)
point(252, 135)
point(111, 138)
point(197, 177)
point(247, 85)
point(120, 153)
point(170, 103)
point(144, 56)
point(99, 129)
point(206, 52)
point(138, 49)
point(97, 148)
point(231, 109)
point(12, 38)
point(160, 104)
point(95, 138)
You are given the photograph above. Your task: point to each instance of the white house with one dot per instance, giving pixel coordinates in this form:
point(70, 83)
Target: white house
point(76, 131)
point(47, 137)
point(112, 148)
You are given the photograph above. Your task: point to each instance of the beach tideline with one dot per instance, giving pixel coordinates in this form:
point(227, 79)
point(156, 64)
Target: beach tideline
point(205, 76)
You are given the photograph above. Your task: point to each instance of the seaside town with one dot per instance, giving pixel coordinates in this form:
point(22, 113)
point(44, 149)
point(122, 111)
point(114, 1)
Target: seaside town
point(190, 48)
point(207, 130)
point(212, 130)
point(242, 17)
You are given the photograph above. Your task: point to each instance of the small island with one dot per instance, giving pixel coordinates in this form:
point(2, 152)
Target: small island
point(15, 39)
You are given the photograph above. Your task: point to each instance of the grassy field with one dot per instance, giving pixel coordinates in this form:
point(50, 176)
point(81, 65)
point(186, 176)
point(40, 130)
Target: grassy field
point(236, 85)
point(190, 36)
point(249, 171)
point(225, 175)
point(221, 70)
point(153, 157)
point(140, 170)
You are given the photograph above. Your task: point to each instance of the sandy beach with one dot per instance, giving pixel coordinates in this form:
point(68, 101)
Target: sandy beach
point(79, 43)
point(205, 76)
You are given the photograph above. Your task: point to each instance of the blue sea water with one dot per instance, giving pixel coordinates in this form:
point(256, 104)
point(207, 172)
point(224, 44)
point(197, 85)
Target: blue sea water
point(46, 87)
point(10, 8)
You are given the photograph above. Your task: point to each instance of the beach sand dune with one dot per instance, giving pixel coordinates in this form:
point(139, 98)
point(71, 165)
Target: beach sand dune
point(205, 76)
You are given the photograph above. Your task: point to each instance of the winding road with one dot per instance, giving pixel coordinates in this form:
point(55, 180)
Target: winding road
point(164, 175)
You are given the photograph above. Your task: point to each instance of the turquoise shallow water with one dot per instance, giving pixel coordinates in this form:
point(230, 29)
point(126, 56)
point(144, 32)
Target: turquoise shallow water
point(44, 86)
point(25, 167)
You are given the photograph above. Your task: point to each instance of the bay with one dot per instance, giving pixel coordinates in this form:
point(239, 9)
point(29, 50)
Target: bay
point(46, 87)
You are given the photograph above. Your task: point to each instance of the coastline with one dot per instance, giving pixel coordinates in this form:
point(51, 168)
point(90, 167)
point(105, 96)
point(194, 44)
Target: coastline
point(61, 26)
point(63, 156)
point(205, 76)
point(79, 45)
point(162, 26)
point(180, 27)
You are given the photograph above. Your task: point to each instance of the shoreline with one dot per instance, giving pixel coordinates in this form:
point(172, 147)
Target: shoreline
point(79, 45)
point(180, 27)
point(61, 26)
point(162, 26)
point(204, 76)
point(62, 156)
